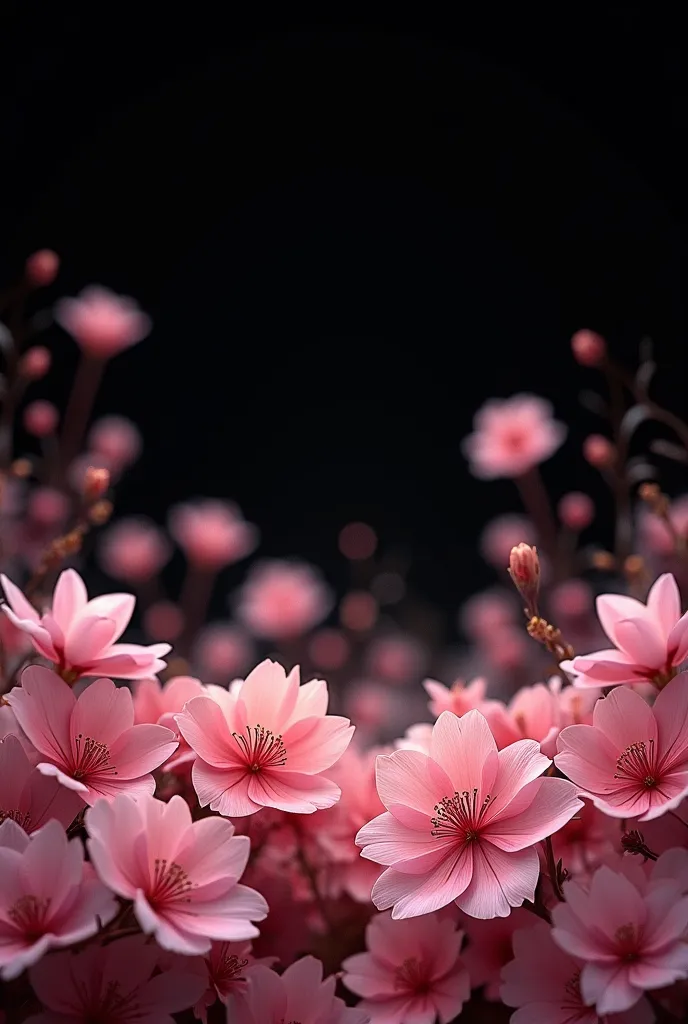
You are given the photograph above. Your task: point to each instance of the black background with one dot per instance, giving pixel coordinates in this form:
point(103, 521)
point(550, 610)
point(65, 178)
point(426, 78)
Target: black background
point(349, 233)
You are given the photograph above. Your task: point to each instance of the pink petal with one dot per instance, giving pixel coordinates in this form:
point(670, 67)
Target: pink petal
point(588, 758)
point(53, 772)
point(664, 602)
point(110, 787)
point(216, 852)
point(642, 641)
point(312, 699)
point(517, 765)
point(412, 896)
point(604, 667)
point(141, 749)
point(324, 743)
point(677, 641)
point(166, 933)
point(624, 718)
point(69, 598)
point(612, 608)
point(466, 749)
point(387, 841)
point(205, 729)
point(553, 802)
point(408, 781)
point(172, 991)
point(103, 711)
point(48, 799)
point(43, 705)
point(131, 661)
point(115, 857)
point(87, 639)
point(269, 695)
point(22, 608)
point(118, 607)
point(40, 636)
point(224, 789)
point(670, 711)
point(290, 791)
point(500, 881)
point(608, 987)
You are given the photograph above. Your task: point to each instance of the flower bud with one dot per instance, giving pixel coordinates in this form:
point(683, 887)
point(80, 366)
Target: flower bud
point(35, 363)
point(41, 268)
point(524, 569)
point(96, 483)
point(599, 451)
point(588, 347)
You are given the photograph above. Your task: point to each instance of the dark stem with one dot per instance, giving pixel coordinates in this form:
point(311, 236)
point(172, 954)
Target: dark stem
point(84, 390)
point(317, 895)
point(552, 870)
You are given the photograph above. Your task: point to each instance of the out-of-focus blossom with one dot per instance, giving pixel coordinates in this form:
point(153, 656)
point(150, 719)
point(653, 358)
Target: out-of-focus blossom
point(490, 948)
point(134, 550)
point(416, 737)
point(328, 649)
point(225, 970)
point(544, 982)
point(655, 535)
point(501, 535)
point(35, 363)
point(79, 635)
point(89, 744)
point(633, 760)
point(599, 451)
point(182, 875)
point(369, 704)
point(41, 268)
point(101, 322)
point(486, 614)
point(222, 652)
point(114, 983)
point(571, 600)
point(459, 698)
point(576, 510)
point(630, 941)
point(212, 533)
point(396, 659)
point(41, 418)
point(47, 898)
point(48, 507)
point(358, 611)
point(118, 440)
point(299, 995)
point(266, 745)
point(357, 541)
point(512, 436)
point(461, 824)
point(412, 970)
point(651, 640)
point(280, 600)
point(589, 348)
point(29, 797)
point(157, 704)
point(163, 621)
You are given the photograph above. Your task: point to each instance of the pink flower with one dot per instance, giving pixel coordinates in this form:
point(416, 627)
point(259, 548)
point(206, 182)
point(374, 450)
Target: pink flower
point(113, 984)
point(537, 714)
point(633, 760)
point(459, 698)
point(490, 948)
point(586, 841)
point(29, 797)
point(512, 436)
point(118, 440)
point(299, 996)
point(657, 537)
point(157, 704)
point(181, 875)
point(416, 737)
point(101, 322)
point(211, 533)
point(134, 549)
point(78, 635)
point(412, 971)
point(47, 898)
point(631, 941)
point(462, 823)
point(221, 652)
point(283, 599)
point(225, 969)
point(650, 640)
point(90, 744)
point(544, 982)
point(266, 745)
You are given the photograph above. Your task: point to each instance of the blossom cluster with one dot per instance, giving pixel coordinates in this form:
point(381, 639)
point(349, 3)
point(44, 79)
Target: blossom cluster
point(188, 830)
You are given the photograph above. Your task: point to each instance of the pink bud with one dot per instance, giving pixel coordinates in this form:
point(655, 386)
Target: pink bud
point(589, 348)
point(599, 451)
point(35, 363)
point(41, 268)
point(41, 418)
point(357, 541)
point(101, 322)
point(576, 510)
point(96, 483)
point(524, 569)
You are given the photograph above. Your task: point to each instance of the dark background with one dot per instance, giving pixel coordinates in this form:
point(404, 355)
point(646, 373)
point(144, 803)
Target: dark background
point(349, 234)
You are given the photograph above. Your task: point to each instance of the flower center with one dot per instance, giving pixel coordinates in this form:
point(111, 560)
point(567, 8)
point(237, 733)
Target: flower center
point(29, 914)
point(171, 884)
point(573, 1001)
point(628, 942)
point(637, 764)
point(459, 817)
point(91, 758)
point(22, 818)
point(412, 976)
point(111, 1006)
point(260, 748)
point(229, 968)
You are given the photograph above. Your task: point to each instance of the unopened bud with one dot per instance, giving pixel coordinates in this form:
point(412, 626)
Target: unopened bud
point(35, 363)
point(41, 268)
point(604, 561)
point(588, 347)
point(599, 451)
point(96, 483)
point(633, 842)
point(524, 569)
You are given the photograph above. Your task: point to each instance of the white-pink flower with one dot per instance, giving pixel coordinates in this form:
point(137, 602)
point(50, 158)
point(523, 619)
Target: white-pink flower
point(650, 640)
point(114, 983)
point(283, 599)
point(299, 996)
point(47, 897)
point(29, 797)
point(459, 698)
point(101, 322)
point(181, 875)
point(89, 744)
point(212, 533)
point(412, 971)
point(633, 760)
point(462, 823)
point(631, 941)
point(265, 745)
point(79, 635)
point(511, 436)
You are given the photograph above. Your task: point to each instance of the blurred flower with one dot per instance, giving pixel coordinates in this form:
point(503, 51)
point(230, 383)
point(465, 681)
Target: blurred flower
point(357, 541)
point(328, 649)
point(101, 322)
point(281, 600)
point(502, 534)
point(134, 550)
point(222, 652)
point(41, 418)
point(512, 436)
point(589, 348)
point(358, 611)
point(41, 268)
point(599, 451)
point(300, 994)
point(576, 510)
point(396, 659)
point(212, 533)
point(118, 440)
